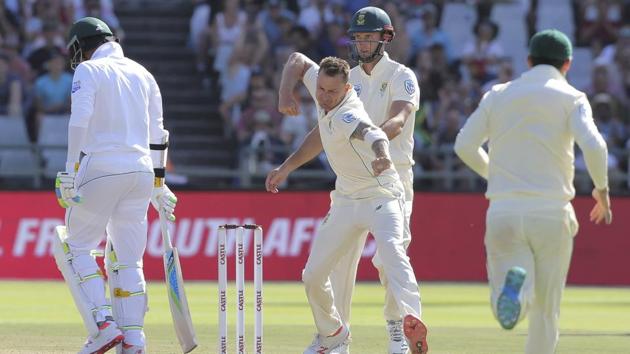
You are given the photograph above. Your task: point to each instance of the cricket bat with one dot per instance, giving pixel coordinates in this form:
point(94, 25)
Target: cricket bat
point(176, 294)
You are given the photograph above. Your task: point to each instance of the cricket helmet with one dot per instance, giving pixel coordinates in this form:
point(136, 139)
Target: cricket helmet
point(369, 20)
point(85, 33)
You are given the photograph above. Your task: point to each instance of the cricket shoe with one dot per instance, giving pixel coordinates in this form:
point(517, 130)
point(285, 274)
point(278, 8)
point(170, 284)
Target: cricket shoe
point(416, 333)
point(124, 348)
point(397, 342)
point(508, 303)
point(329, 344)
point(108, 337)
point(344, 348)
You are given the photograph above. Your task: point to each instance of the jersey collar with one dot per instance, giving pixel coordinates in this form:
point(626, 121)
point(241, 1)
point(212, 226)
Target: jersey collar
point(544, 72)
point(349, 97)
point(109, 49)
point(378, 68)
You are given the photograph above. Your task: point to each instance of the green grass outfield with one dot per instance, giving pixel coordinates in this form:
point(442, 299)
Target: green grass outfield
point(39, 317)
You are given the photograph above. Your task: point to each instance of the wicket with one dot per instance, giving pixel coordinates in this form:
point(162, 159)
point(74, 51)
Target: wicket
point(240, 287)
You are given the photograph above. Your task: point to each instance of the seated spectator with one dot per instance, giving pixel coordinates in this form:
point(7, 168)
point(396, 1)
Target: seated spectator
point(398, 49)
point(43, 11)
point(261, 99)
point(17, 64)
point(603, 82)
point(599, 22)
point(481, 54)
point(52, 90)
point(505, 74)
point(301, 42)
point(328, 39)
point(266, 150)
point(234, 81)
point(199, 22)
point(225, 33)
point(444, 138)
point(293, 129)
point(10, 18)
point(10, 90)
point(430, 34)
point(274, 20)
point(614, 132)
point(608, 121)
point(103, 9)
point(42, 49)
point(314, 16)
point(253, 44)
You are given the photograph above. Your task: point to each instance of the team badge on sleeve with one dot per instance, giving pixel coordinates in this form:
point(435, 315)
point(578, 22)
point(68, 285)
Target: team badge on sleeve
point(76, 85)
point(357, 89)
point(348, 118)
point(410, 87)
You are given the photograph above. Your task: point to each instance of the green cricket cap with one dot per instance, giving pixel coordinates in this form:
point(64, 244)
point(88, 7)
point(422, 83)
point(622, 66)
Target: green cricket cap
point(550, 44)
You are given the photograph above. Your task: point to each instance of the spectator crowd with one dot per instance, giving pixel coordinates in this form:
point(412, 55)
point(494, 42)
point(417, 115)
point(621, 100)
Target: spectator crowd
point(34, 76)
point(240, 47)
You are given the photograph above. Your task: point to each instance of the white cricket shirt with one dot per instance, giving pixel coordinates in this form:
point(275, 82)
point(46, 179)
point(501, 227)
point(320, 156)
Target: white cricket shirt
point(119, 103)
point(389, 81)
point(350, 159)
point(531, 124)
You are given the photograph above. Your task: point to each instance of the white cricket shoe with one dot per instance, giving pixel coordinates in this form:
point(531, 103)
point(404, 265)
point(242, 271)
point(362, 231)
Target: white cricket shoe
point(124, 348)
point(397, 342)
point(108, 337)
point(329, 344)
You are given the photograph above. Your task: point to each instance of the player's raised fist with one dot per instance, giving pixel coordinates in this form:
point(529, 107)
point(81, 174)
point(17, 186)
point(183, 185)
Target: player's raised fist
point(288, 103)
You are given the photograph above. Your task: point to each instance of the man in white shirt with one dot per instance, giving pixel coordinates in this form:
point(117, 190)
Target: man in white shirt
point(368, 196)
point(116, 159)
point(390, 94)
point(531, 125)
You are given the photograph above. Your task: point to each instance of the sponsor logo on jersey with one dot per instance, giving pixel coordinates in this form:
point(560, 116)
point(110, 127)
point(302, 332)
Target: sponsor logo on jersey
point(357, 89)
point(76, 86)
point(410, 87)
point(348, 118)
point(383, 88)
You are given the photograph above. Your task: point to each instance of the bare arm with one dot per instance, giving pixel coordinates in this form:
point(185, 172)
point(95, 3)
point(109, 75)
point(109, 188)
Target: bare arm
point(293, 71)
point(308, 150)
point(398, 114)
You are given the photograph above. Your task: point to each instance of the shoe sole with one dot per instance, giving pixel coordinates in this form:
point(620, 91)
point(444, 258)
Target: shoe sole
point(114, 342)
point(508, 304)
point(416, 333)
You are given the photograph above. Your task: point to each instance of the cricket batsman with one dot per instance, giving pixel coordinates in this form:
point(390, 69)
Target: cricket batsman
point(115, 165)
point(391, 96)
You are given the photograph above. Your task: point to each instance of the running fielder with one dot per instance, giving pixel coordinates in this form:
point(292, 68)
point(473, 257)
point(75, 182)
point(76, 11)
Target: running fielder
point(389, 91)
point(531, 125)
point(115, 165)
point(368, 196)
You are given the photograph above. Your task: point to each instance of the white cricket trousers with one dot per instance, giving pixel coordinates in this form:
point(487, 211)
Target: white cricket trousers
point(115, 190)
point(343, 276)
point(539, 240)
point(347, 221)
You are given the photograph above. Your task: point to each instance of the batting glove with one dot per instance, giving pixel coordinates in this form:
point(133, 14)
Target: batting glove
point(163, 200)
point(67, 195)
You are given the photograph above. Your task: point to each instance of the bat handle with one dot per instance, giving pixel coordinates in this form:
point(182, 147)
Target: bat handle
point(166, 235)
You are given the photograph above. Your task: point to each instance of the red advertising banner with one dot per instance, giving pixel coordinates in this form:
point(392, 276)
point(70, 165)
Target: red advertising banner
point(447, 245)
